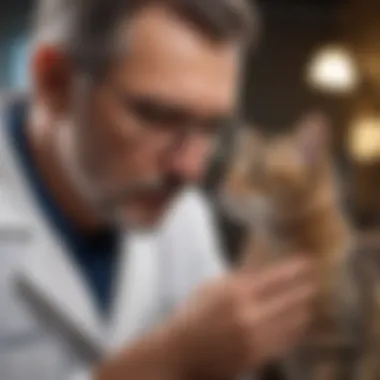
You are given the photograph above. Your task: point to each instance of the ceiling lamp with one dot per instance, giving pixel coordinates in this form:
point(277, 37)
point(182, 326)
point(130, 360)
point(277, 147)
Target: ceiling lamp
point(364, 139)
point(332, 69)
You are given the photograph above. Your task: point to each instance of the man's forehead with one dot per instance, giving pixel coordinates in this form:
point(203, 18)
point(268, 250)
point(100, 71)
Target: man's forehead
point(159, 27)
point(168, 56)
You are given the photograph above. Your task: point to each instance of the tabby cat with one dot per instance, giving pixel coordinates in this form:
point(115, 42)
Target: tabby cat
point(284, 190)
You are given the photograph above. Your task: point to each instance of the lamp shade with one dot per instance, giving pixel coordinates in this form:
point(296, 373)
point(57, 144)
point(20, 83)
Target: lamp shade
point(364, 139)
point(333, 69)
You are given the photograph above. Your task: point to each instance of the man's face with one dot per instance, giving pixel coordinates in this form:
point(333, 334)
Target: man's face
point(150, 126)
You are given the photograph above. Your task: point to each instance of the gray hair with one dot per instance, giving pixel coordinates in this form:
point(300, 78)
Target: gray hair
point(86, 29)
point(53, 21)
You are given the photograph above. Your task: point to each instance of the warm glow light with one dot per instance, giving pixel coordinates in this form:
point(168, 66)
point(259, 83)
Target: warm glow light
point(364, 139)
point(333, 69)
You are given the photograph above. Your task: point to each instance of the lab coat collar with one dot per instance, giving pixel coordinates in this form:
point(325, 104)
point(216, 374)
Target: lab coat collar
point(137, 297)
point(48, 276)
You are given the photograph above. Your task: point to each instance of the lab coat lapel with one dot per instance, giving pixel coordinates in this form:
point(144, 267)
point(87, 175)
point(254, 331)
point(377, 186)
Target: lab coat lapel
point(145, 274)
point(51, 284)
point(47, 275)
point(137, 296)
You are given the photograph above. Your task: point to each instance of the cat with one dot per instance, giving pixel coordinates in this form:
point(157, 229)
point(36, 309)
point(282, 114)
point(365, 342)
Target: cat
point(284, 191)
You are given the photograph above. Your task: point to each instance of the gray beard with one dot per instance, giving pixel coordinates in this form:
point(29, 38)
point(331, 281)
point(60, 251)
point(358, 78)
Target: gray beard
point(64, 145)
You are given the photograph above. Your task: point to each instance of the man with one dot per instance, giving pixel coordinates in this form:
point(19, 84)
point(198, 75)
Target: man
point(119, 275)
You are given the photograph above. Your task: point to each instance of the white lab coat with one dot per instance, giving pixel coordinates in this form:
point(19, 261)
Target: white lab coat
point(49, 327)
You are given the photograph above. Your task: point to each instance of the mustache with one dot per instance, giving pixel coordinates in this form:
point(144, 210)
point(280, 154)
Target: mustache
point(167, 185)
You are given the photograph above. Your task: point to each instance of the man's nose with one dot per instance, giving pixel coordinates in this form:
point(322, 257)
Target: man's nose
point(189, 161)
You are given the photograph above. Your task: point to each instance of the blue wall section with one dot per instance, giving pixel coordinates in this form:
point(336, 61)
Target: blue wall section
point(18, 63)
point(15, 21)
point(14, 59)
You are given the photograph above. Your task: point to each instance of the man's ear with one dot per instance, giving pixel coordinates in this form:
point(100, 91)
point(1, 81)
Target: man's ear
point(52, 76)
point(313, 137)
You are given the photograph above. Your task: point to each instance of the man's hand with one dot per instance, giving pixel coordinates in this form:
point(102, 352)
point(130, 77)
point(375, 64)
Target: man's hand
point(229, 327)
point(246, 319)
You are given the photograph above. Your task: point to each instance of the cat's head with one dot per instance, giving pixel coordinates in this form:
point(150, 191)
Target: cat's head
point(278, 172)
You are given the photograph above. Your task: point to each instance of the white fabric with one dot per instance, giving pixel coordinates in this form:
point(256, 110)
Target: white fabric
point(82, 375)
point(49, 327)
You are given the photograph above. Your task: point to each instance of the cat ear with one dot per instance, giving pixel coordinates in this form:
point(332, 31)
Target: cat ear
point(312, 136)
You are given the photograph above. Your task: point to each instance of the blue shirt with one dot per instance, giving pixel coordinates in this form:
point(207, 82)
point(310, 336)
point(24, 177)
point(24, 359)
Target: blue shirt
point(95, 254)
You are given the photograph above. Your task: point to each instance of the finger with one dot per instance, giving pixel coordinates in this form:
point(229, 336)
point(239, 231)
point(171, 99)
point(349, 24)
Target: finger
point(290, 332)
point(282, 277)
point(289, 326)
point(299, 298)
point(274, 339)
point(288, 336)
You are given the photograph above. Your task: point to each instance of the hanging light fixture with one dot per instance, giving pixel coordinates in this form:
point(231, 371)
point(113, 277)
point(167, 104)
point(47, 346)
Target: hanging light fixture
point(364, 139)
point(333, 69)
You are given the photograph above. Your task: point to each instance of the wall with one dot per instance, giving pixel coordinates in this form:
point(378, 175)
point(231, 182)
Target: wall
point(276, 89)
point(15, 18)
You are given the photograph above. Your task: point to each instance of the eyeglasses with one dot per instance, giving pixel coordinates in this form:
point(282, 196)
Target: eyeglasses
point(175, 124)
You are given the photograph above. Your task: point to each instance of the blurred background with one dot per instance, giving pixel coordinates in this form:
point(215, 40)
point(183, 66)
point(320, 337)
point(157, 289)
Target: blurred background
point(313, 55)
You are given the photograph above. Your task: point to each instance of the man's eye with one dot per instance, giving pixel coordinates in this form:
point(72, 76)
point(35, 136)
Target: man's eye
point(218, 125)
point(155, 114)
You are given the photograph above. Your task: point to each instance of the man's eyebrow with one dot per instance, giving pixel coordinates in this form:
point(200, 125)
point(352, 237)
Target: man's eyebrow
point(159, 103)
point(155, 101)
point(171, 108)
